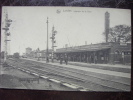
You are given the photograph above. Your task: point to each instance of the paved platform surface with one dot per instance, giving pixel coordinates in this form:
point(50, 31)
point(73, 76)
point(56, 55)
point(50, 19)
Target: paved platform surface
point(108, 65)
point(101, 71)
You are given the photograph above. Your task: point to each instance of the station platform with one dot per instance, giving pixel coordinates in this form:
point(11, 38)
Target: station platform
point(92, 64)
point(94, 70)
point(108, 65)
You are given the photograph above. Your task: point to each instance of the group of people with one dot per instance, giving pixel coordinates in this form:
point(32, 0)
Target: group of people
point(88, 59)
point(65, 58)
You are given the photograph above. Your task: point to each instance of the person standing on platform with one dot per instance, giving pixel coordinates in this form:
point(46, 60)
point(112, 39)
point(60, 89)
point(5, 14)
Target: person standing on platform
point(66, 59)
point(48, 59)
point(90, 59)
point(61, 59)
point(95, 59)
point(87, 59)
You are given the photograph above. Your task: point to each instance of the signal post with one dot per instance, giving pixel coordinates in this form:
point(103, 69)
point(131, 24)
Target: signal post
point(53, 42)
point(6, 28)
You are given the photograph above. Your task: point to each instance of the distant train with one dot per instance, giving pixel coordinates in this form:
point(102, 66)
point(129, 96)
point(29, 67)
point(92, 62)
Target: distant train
point(16, 55)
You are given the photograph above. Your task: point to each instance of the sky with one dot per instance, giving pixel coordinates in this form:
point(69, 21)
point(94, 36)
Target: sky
point(74, 26)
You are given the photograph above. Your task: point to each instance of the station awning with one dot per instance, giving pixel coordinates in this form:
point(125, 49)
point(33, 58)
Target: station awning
point(83, 48)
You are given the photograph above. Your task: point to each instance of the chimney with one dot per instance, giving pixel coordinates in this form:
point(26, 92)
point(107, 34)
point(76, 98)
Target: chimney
point(107, 22)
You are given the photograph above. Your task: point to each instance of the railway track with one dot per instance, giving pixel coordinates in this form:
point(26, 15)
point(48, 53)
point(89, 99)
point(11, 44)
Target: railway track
point(104, 77)
point(41, 75)
point(89, 81)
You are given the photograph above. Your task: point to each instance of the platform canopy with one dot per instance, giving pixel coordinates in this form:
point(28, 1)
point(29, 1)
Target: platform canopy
point(85, 48)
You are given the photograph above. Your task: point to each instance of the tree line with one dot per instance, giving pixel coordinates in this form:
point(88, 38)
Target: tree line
point(119, 33)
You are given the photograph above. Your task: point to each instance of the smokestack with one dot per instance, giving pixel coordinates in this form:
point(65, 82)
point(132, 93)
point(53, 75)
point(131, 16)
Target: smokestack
point(107, 22)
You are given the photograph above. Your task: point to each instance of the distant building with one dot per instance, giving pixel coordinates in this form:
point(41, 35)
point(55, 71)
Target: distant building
point(37, 53)
point(43, 53)
point(28, 51)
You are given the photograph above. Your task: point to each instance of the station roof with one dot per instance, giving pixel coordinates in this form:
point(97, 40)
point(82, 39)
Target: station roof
point(91, 47)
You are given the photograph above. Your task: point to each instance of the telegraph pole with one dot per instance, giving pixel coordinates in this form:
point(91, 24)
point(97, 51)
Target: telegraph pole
point(47, 53)
point(53, 41)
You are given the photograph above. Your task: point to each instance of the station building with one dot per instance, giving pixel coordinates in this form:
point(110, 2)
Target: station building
point(109, 52)
point(28, 51)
